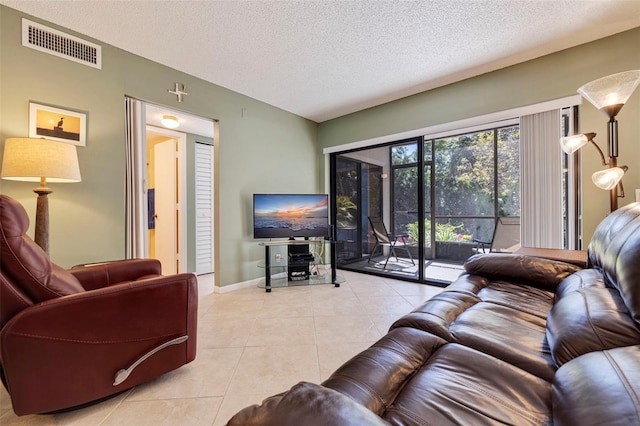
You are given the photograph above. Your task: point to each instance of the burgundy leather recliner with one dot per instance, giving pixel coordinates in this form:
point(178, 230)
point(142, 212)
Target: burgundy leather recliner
point(70, 337)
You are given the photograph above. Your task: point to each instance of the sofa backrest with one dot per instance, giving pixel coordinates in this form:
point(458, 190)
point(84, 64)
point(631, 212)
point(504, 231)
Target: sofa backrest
point(607, 230)
point(589, 319)
point(24, 265)
point(615, 251)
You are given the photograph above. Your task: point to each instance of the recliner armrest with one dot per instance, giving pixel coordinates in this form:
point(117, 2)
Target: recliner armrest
point(86, 338)
point(99, 275)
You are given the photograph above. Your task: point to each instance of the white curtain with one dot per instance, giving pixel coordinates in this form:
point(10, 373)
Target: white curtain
point(135, 179)
point(541, 183)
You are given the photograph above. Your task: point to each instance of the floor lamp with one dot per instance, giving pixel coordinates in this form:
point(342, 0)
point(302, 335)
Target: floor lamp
point(40, 160)
point(608, 94)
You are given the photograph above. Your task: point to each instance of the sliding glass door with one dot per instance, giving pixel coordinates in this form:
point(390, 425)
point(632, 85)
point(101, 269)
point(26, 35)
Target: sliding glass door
point(475, 179)
point(358, 195)
point(405, 184)
point(433, 198)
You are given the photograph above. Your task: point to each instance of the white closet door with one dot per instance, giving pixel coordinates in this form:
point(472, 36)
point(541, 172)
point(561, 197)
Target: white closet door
point(204, 208)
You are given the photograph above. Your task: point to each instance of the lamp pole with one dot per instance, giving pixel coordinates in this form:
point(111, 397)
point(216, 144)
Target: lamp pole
point(612, 143)
point(41, 234)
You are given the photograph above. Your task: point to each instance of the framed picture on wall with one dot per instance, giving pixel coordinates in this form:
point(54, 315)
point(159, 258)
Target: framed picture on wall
point(57, 124)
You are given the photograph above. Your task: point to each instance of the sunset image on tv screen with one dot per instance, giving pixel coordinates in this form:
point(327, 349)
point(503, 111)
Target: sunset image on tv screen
point(290, 215)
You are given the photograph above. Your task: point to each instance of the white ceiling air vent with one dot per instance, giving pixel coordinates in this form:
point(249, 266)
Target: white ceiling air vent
point(54, 42)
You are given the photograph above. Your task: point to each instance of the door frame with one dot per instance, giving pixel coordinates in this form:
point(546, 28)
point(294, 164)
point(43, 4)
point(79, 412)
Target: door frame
point(181, 156)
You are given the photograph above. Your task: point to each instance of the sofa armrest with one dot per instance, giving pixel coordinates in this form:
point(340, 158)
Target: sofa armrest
point(67, 351)
point(534, 271)
point(99, 275)
point(575, 257)
point(306, 404)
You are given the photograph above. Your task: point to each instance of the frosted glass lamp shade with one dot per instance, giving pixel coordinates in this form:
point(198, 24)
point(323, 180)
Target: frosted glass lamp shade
point(571, 144)
point(170, 121)
point(608, 179)
point(30, 160)
point(609, 94)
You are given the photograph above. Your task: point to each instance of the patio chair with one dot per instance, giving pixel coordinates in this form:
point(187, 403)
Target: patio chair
point(385, 239)
point(506, 237)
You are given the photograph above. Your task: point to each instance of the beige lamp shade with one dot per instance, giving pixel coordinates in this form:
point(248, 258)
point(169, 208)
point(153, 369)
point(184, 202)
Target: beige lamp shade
point(30, 159)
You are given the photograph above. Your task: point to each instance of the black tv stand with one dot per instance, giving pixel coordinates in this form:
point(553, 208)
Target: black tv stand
point(299, 262)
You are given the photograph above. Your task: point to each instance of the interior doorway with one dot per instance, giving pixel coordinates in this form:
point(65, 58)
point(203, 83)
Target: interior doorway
point(166, 198)
point(168, 183)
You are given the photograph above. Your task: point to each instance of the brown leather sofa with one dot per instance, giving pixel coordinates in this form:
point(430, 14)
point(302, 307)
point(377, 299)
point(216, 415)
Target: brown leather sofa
point(70, 337)
point(517, 340)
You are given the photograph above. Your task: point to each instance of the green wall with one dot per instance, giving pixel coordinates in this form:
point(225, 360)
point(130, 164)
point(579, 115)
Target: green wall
point(264, 149)
point(550, 77)
point(261, 148)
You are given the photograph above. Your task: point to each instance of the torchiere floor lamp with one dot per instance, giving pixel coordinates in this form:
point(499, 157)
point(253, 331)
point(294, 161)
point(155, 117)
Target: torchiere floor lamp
point(608, 94)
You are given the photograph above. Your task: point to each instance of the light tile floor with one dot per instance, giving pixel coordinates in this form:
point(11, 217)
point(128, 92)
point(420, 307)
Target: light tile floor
point(253, 344)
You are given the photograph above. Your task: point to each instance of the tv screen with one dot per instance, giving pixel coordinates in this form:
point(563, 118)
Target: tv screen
point(290, 215)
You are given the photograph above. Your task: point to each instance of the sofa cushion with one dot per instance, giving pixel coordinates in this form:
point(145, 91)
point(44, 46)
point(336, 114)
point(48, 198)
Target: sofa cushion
point(301, 405)
point(506, 320)
point(25, 263)
point(513, 336)
point(582, 279)
point(523, 298)
point(587, 320)
point(461, 386)
point(535, 271)
point(599, 388)
point(374, 377)
point(438, 313)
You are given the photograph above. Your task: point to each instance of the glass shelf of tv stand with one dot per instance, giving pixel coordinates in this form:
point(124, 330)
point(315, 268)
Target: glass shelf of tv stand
point(320, 268)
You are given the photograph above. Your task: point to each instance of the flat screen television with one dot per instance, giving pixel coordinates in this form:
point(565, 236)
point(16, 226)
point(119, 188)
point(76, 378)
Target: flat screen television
point(290, 215)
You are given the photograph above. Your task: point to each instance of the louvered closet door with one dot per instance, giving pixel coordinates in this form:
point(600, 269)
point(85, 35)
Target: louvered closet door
point(204, 208)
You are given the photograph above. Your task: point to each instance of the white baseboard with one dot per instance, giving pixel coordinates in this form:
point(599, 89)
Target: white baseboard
point(325, 269)
point(237, 286)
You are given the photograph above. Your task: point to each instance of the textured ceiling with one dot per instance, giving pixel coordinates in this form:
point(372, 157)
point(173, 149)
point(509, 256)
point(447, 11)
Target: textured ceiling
point(323, 59)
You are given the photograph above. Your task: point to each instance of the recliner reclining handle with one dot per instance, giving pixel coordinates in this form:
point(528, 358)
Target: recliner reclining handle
point(122, 374)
